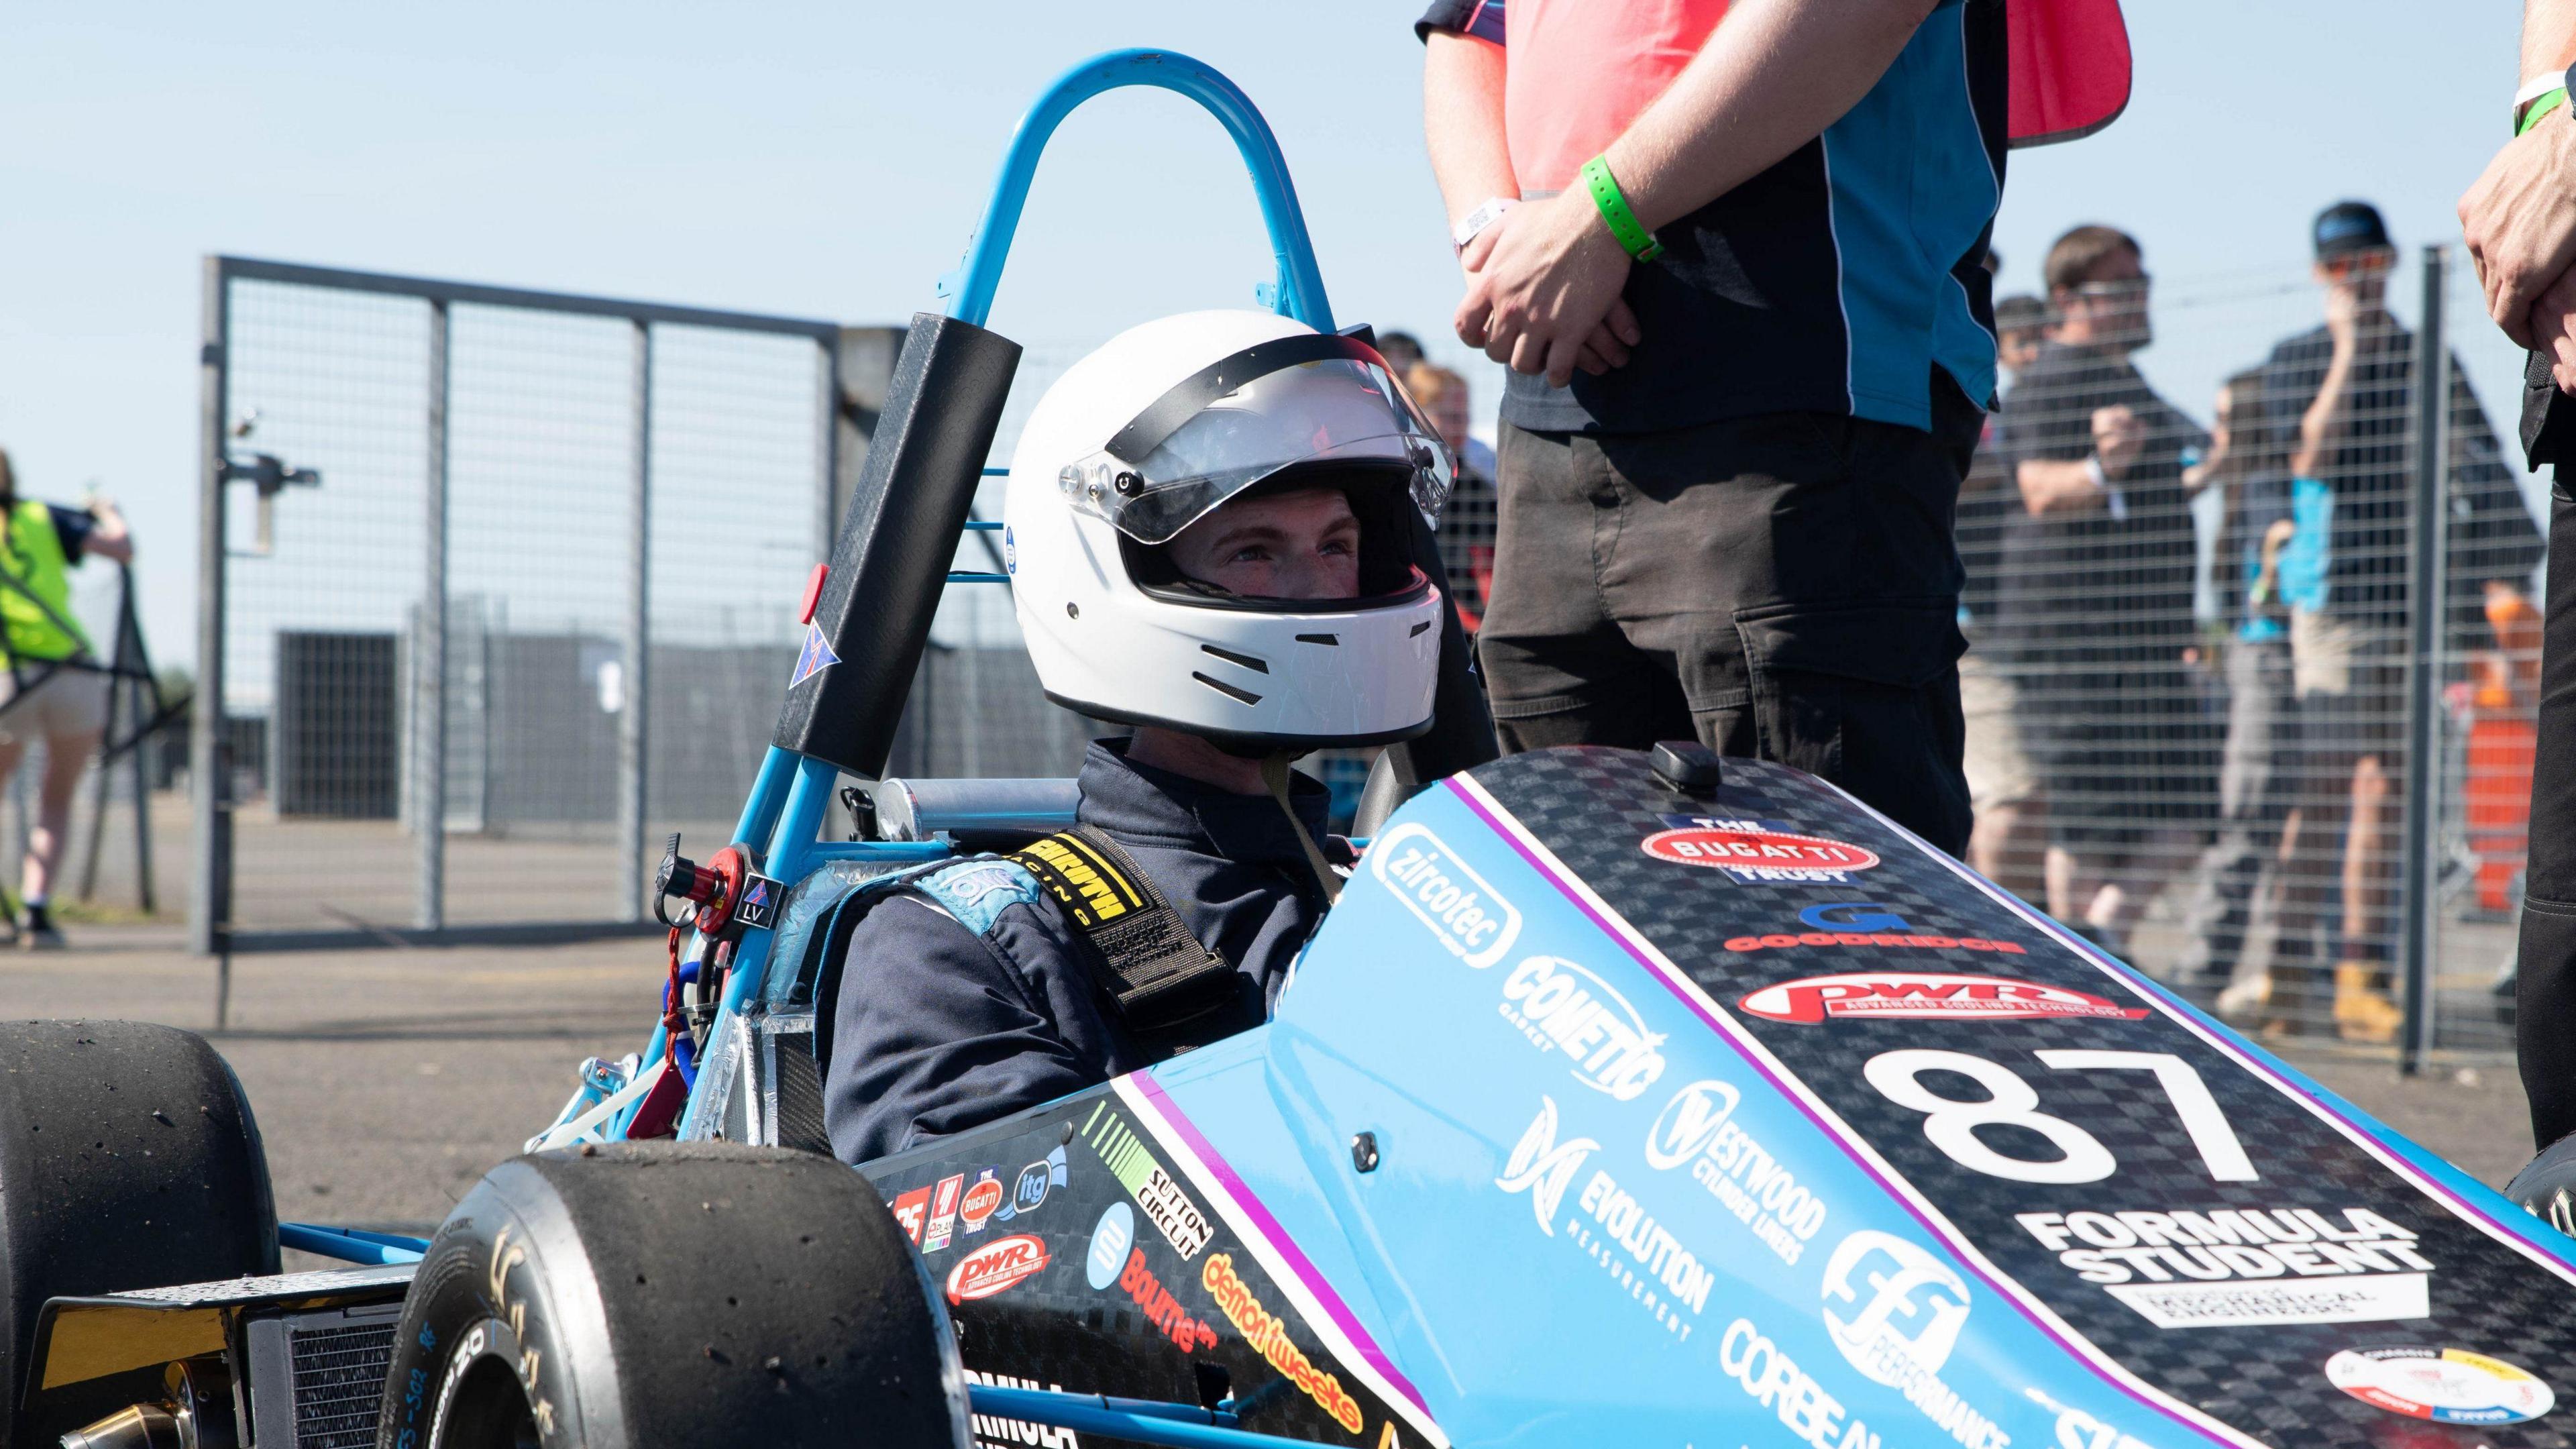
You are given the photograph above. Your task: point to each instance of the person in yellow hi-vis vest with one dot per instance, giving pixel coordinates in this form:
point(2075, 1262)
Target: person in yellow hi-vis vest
point(52, 690)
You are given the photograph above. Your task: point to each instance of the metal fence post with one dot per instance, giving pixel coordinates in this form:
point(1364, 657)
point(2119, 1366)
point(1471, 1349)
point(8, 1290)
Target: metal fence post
point(635, 643)
point(2428, 612)
point(209, 789)
point(429, 669)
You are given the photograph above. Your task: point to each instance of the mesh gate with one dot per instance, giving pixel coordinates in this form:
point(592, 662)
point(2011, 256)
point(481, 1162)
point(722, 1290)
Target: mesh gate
point(529, 614)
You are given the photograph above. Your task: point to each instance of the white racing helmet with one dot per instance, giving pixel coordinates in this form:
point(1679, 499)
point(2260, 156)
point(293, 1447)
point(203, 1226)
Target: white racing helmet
point(1160, 427)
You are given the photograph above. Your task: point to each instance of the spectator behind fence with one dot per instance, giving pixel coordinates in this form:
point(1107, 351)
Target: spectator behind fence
point(1735, 523)
point(1402, 351)
point(2010, 843)
point(2095, 596)
point(1467, 522)
point(2233, 921)
point(53, 690)
point(2341, 398)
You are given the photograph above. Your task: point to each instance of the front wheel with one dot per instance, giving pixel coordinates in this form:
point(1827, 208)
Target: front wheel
point(671, 1293)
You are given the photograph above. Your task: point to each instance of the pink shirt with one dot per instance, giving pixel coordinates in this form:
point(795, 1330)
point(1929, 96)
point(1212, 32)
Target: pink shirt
point(1581, 70)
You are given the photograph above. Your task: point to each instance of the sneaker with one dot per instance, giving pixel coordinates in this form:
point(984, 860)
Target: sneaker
point(2244, 1001)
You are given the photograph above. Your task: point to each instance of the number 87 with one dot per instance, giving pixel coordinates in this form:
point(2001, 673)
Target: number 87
point(1951, 1124)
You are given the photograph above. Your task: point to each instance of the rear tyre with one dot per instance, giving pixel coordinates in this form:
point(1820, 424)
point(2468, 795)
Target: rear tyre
point(128, 1159)
point(671, 1293)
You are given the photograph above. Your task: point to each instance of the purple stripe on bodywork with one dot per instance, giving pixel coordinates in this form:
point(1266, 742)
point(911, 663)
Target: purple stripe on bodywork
point(1277, 1239)
point(1512, 834)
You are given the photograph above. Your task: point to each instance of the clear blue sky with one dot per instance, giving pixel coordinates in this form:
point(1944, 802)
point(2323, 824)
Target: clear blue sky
point(831, 161)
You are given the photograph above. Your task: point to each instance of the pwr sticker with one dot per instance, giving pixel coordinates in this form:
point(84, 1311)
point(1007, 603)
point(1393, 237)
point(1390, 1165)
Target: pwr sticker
point(1757, 851)
point(1925, 995)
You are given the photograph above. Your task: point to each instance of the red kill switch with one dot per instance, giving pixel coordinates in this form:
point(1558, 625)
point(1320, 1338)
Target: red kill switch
point(813, 594)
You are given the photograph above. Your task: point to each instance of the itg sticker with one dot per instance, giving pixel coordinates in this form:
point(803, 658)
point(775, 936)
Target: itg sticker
point(1757, 851)
point(2445, 1385)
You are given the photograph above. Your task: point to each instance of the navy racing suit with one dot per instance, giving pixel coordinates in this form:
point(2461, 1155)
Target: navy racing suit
point(965, 995)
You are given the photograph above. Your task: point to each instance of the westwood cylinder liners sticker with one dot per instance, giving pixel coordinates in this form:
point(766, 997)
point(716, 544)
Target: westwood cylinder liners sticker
point(1925, 995)
point(2445, 1385)
point(1757, 851)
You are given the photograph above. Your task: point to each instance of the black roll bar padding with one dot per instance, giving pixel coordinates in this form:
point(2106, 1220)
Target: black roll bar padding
point(898, 539)
point(1461, 736)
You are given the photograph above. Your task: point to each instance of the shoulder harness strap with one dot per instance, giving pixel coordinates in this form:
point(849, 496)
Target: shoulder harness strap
point(1159, 974)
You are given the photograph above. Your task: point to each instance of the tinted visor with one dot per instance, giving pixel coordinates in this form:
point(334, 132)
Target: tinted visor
point(1304, 399)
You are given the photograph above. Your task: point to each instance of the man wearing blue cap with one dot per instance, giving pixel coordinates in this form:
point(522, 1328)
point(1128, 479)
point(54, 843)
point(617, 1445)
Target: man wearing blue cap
point(2341, 409)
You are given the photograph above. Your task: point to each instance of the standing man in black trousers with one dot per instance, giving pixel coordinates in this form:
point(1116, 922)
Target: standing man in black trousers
point(1737, 272)
point(2520, 221)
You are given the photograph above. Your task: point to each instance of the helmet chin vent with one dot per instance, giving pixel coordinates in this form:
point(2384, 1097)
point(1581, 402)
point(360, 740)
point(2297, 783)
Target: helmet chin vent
point(1240, 696)
point(1240, 661)
point(1418, 628)
point(1332, 639)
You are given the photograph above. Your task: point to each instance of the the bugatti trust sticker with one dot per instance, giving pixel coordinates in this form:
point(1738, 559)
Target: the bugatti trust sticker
point(1757, 850)
point(2446, 1385)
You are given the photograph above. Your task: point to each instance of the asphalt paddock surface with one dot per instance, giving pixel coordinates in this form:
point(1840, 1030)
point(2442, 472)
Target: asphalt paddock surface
point(387, 1080)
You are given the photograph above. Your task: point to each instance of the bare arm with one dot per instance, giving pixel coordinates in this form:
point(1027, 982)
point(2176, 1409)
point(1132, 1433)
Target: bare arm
point(2321, 427)
point(1462, 121)
point(2520, 217)
point(109, 539)
point(2057, 485)
point(1772, 77)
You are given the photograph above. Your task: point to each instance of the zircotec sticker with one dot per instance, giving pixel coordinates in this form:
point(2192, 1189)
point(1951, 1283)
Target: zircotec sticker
point(1757, 850)
point(2446, 1385)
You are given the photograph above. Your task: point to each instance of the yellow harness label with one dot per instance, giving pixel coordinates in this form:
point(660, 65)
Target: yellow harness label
point(1090, 888)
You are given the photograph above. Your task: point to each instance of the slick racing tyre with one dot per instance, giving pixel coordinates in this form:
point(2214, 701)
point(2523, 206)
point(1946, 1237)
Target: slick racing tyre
point(128, 1159)
point(671, 1293)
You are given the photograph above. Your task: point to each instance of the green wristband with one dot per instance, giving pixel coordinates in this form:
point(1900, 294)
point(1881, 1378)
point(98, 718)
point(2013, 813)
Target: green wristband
point(2541, 105)
point(1633, 238)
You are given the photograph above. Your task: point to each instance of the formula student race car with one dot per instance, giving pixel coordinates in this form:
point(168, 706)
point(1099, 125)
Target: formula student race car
point(1622, 1099)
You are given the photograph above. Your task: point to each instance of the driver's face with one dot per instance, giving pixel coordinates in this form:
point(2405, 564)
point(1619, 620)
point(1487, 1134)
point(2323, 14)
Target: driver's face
point(1303, 544)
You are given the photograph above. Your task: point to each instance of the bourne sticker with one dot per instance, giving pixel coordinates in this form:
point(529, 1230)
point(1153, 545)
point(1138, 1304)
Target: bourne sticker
point(1757, 851)
point(1925, 995)
point(2445, 1385)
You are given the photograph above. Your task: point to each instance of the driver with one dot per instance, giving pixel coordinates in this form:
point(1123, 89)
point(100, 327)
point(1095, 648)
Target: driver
point(1207, 542)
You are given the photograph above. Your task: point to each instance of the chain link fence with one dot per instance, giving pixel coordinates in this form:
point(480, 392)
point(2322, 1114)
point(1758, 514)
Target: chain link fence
point(498, 588)
point(2253, 603)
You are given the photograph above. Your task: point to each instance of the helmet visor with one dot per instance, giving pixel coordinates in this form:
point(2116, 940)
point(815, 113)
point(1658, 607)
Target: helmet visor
point(1334, 410)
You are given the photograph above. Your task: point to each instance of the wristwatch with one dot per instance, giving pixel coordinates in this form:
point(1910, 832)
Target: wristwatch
point(1487, 212)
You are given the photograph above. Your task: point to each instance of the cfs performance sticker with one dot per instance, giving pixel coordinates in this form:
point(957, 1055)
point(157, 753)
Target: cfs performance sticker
point(995, 1266)
point(2445, 1385)
point(1925, 996)
point(1757, 851)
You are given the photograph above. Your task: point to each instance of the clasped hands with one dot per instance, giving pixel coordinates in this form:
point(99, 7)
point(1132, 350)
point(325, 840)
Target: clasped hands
point(1543, 285)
